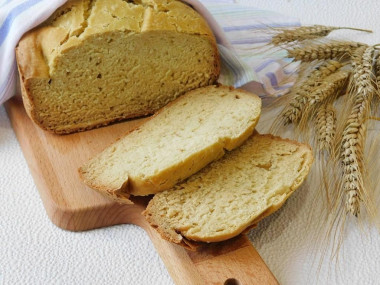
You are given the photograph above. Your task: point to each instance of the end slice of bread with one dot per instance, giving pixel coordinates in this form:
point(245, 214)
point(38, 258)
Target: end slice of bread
point(178, 141)
point(232, 194)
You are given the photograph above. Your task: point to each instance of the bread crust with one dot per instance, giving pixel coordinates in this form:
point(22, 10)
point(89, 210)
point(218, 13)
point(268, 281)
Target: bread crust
point(169, 233)
point(33, 64)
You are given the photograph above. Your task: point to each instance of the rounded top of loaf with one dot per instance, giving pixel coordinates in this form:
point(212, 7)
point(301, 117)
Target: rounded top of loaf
point(78, 20)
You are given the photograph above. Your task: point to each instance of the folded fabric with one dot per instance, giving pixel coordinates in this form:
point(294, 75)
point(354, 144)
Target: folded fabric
point(16, 18)
point(237, 28)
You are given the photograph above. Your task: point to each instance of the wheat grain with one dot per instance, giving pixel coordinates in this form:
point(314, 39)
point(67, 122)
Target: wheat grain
point(326, 126)
point(292, 112)
point(305, 33)
point(330, 87)
point(377, 70)
point(353, 139)
point(362, 66)
point(323, 51)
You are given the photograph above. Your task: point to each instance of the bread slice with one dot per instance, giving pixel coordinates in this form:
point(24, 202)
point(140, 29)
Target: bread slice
point(95, 62)
point(175, 143)
point(231, 194)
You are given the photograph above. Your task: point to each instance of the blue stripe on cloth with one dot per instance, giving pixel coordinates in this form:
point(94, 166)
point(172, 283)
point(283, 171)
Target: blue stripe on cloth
point(5, 27)
point(272, 78)
point(264, 64)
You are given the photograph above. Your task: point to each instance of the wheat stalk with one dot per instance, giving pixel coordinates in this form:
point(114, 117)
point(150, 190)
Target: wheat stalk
point(353, 139)
point(339, 139)
point(323, 51)
point(325, 122)
point(306, 33)
point(293, 111)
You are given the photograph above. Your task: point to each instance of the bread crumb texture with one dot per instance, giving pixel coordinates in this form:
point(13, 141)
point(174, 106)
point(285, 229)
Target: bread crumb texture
point(178, 141)
point(94, 62)
point(233, 193)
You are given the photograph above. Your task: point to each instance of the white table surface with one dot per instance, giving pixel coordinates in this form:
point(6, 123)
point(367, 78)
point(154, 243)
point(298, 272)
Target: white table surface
point(34, 251)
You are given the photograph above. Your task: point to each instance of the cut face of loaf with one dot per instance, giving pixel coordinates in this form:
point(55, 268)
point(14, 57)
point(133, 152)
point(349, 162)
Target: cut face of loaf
point(95, 62)
point(178, 141)
point(231, 194)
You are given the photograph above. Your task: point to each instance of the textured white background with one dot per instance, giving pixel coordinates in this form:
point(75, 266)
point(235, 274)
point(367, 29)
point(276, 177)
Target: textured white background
point(34, 251)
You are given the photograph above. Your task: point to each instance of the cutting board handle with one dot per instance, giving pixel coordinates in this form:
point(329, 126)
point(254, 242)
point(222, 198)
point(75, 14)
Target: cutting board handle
point(233, 262)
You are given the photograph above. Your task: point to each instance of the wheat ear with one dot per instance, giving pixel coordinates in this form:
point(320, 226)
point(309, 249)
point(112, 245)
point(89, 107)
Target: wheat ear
point(306, 33)
point(329, 88)
point(292, 112)
point(353, 138)
point(323, 51)
point(325, 123)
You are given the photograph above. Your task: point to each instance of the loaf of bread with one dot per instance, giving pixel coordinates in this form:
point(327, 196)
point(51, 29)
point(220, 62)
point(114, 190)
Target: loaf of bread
point(231, 194)
point(176, 142)
point(95, 62)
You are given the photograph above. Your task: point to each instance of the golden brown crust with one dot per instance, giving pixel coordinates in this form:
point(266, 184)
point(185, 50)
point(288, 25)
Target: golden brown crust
point(37, 47)
point(28, 66)
point(168, 233)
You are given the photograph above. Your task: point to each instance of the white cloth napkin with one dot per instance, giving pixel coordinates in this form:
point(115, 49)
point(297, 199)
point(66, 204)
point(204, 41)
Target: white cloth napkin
point(235, 26)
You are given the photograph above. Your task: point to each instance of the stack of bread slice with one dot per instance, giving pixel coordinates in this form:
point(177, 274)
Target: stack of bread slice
point(213, 176)
point(176, 142)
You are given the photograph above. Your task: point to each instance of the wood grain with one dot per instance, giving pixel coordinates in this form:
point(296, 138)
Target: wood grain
point(53, 161)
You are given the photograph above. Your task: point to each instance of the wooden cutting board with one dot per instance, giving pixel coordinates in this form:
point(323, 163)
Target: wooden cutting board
point(53, 161)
